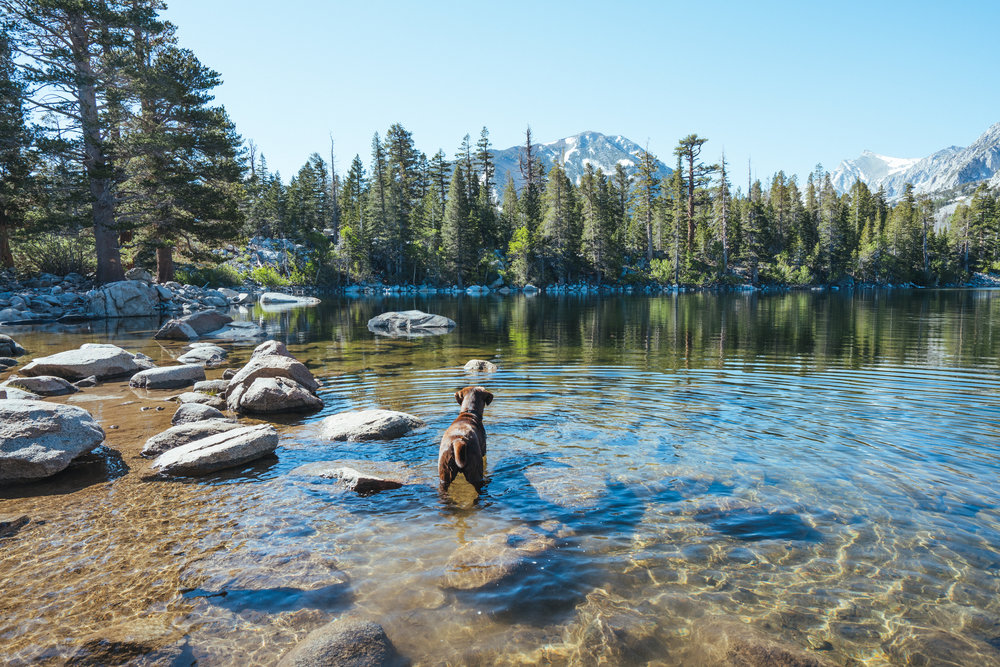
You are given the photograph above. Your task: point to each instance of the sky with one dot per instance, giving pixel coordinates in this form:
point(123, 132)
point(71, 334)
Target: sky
point(776, 85)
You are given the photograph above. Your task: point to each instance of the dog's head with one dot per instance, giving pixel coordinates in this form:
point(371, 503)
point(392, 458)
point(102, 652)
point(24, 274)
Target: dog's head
point(473, 399)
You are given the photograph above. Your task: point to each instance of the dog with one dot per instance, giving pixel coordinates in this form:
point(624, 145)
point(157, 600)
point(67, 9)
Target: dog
point(463, 445)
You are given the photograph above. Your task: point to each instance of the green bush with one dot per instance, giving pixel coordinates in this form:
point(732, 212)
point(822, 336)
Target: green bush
point(56, 254)
point(268, 277)
point(221, 275)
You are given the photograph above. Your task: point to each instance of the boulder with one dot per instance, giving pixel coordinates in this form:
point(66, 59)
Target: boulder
point(229, 374)
point(355, 480)
point(207, 355)
point(14, 394)
point(199, 398)
point(195, 412)
point(168, 377)
point(410, 323)
point(206, 320)
point(90, 381)
point(489, 559)
point(7, 362)
point(127, 298)
point(43, 385)
point(238, 331)
point(100, 360)
point(480, 365)
point(9, 347)
point(220, 451)
point(136, 273)
point(212, 387)
point(364, 425)
point(347, 641)
point(275, 347)
point(39, 439)
point(277, 298)
point(182, 434)
point(277, 394)
point(11, 523)
point(176, 330)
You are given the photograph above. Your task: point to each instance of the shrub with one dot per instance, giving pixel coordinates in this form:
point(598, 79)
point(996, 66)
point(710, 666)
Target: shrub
point(268, 277)
point(56, 254)
point(221, 275)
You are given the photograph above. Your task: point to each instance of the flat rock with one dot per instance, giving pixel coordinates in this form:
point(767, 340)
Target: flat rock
point(364, 425)
point(220, 451)
point(126, 298)
point(86, 382)
point(355, 480)
point(268, 298)
point(42, 385)
point(168, 377)
point(189, 397)
point(11, 523)
point(206, 355)
point(184, 433)
point(238, 331)
point(347, 641)
point(15, 394)
point(7, 362)
point(211, 386)
point(195, 412)
point(39, 439)
point(490, 558)
point(480, 365)
point(9, 347)
point(277, 394)
point(410, 323)
point(100, 360)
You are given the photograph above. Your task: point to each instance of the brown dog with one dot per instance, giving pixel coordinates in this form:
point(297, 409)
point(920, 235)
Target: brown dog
point(463, 445)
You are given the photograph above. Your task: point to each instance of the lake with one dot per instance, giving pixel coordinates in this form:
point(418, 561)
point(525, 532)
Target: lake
point(679, 480)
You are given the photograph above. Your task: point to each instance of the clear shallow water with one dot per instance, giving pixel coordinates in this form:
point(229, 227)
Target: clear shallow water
point(704, 473)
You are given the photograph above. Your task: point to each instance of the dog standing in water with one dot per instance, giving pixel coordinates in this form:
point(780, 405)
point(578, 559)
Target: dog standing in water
point(463, 445)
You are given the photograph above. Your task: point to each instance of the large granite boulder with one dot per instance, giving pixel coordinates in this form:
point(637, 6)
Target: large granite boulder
point(168, 377)
point(182, 434)
point(100, 360)
point(220, 451)
point(361, 425)
point(42, 385)
point(347, 641)
point(9, 347)
point(273, 381)
point(200, 323)
point(126, 298)
point(39, 439)
point(410, 323)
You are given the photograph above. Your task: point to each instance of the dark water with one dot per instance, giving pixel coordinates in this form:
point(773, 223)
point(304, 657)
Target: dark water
point(706, 475)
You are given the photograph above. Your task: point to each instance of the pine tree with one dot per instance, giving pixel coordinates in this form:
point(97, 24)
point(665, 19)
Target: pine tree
point(646, 193)
point(456, 243)
point(689, 148)
point(15, 144)
point(722, 215)
point(559, 224)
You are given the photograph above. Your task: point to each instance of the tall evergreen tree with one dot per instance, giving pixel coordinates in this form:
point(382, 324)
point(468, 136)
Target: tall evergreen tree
point(647, 192)
point(457, 245)
point(15, 145)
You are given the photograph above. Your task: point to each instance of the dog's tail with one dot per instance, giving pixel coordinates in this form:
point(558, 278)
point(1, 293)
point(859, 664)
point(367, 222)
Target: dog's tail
point(458, 446)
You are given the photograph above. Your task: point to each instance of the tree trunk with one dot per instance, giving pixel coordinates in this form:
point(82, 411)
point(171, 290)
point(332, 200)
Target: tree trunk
point(164, 264)
point(6, 258)
point(95, 161)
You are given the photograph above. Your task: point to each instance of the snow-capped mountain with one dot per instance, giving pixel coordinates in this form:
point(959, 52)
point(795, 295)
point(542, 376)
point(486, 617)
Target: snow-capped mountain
point(946, 169)
point(602, 151)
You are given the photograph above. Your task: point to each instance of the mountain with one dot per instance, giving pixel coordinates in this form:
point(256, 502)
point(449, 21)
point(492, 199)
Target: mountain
point(948, 169)
point(576, 152)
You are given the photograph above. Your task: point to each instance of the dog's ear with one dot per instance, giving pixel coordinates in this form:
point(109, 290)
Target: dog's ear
point(488, 396)
point(459, 396)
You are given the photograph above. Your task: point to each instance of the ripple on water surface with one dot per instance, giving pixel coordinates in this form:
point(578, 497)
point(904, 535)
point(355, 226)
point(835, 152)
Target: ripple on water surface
point(702, 480)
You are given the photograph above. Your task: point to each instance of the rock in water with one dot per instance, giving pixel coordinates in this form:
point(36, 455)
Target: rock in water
point(208, 355)
point(359, 482)
point(266, 395)
point(272, 381)
point(491, 558)
point(347, 641)
point(279, 298)
point(7, 391)
point(39, 439)
point(10, 524)
point(100, 360)
point(42, 385)
point(9, 347)
point(126, 298)
point(183, 433)
point(480, 365)
point(168, 377)
point(364, 425)
point(176, 330)
point(195, 412)
point(216, 387)
point(410, 323)
point(220, 451)
point(238, 331)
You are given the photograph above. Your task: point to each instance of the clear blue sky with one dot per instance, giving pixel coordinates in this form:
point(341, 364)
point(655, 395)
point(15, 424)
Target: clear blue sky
point(786, 84)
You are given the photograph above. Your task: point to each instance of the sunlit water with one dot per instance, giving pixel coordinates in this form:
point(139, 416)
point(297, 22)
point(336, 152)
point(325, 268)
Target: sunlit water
point(817, 472)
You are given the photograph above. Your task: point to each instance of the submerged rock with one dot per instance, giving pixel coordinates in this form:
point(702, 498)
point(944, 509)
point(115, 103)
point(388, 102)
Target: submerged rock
point(39, 439)
point(719, 641)
point(345, 641)
point(186, 432)
point(100, 360)
point(168, 377)
point(480, 365)
point(238, 331)
point(220, 451)
point(42, 385)
point(364, 425)
point(489, 559)
point(355, 480)
point(410, 323)
point(11, 523)
point(927, 646)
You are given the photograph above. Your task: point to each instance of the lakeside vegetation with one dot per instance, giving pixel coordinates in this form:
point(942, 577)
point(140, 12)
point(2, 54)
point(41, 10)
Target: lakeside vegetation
point(114, 155)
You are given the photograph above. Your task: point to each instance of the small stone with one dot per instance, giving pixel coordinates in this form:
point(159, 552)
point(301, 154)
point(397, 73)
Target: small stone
point(480, 365)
